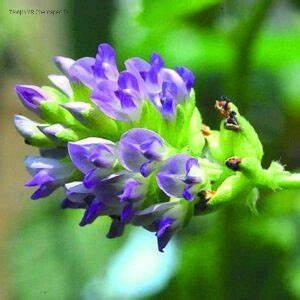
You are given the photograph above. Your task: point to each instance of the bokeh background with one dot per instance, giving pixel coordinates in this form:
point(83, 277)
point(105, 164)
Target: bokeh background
point(248, 50)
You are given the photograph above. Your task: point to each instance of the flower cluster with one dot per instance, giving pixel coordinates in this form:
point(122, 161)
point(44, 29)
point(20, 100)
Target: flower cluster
point(89, 144)
point(131, 145)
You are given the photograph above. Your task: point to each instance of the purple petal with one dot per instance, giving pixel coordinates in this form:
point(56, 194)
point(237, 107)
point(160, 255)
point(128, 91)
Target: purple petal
point(31, 96)
point(147, 168)
point(168, 108)
point(138, 146)
point(187, 194)
point(42, 177)
point(116, 228)
point(93, 177)
point(136, 65)
point(63, 64)
point(127, 213)
point(82, 70)
point(92, 212)
point(130, 192)
point(105, 65)
point(89, 153)
point(171, 176)
point(169, 184)
point(170, 76)
point(193, 172)
point(187, 76)
point(43, 191)
point(110, 104)
point(164, 232)
point(127, 80)
point(126, 100)
point(76, 108)
point(77, 192)
point(157, 61)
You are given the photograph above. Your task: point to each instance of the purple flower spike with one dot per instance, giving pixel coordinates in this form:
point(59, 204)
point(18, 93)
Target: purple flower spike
point(139, 146)
point(31, 96)
point(179, 175)
point(187, 76)
point(48, 174)
point(105, 67)
point(164, 232)
point(91, 153)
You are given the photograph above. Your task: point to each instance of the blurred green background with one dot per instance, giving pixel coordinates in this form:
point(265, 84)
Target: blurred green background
point(248, 50)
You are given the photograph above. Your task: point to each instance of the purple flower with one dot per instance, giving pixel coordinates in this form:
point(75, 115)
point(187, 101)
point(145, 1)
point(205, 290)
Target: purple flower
point(48, 174)
point(164, 219)
point(114, 196)
point(179, 176)
point(105, 67)
point(139, 150)
point(120, 100)
point(166, 88)
point(95, 157)
point(31, 96)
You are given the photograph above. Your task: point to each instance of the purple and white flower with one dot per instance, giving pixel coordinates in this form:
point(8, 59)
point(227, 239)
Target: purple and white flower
point(95, 157)
point(180, 176)
point(47, 173)
point(140, 150)
point(164, 219)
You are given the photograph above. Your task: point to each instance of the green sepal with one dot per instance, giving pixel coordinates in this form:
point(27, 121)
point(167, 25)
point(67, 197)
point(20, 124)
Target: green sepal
point(52, 112)
point(31, 134)
point(63, 134)
point(182, 212)
point(91, 117)
point(81, 92)
point(55, 94)
point(233, 188)
point(150, 118)
point(247, 143)
point(196, 138)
